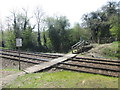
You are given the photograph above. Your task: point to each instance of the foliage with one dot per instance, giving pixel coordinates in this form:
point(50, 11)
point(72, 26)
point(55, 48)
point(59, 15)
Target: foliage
point(16, 70)
point(9, 39)
point(57, 30)
point(112, 51)
point(115, 28)
point(78, 32)
point(29, 40)
point(100, 21)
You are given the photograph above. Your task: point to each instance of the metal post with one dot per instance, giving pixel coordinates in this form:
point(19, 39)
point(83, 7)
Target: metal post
point(19, 58)
point(19, 44)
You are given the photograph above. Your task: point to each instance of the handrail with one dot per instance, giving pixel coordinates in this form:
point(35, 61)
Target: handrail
point(77, 45)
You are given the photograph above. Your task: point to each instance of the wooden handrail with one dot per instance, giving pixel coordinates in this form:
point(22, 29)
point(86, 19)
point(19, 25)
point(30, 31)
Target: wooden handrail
point(78, 45)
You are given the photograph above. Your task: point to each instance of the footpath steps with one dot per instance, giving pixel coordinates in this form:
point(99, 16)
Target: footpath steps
point(81, 46)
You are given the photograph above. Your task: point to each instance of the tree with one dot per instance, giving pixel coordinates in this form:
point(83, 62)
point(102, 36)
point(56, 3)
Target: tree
point(29, 40)
point(62, 27)
point(115, 28)
point(93, 23)
point(39, 18)
point(1, 34)
point(57, 29)
point(10, 39)
point(99, 23)
point(21, 28)
point(44, 39)
point(78, 32)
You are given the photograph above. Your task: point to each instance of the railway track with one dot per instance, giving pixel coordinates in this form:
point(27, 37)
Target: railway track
point(92, 65)
point(34, 54)
point(34, 58)
point(79, 64)
point(22, 58)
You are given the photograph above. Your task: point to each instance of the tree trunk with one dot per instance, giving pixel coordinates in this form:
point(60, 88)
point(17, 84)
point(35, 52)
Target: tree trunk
point(39, 41)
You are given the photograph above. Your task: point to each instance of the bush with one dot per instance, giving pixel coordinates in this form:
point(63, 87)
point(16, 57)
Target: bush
point(113, 50)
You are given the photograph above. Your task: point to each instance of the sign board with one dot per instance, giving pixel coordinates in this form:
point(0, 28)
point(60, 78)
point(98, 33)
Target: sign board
point(18, 42)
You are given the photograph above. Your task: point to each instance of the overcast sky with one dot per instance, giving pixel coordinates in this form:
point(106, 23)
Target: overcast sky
point(73, 9)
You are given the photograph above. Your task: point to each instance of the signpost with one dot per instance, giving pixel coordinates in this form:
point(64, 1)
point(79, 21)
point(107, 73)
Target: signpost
point(19, 44)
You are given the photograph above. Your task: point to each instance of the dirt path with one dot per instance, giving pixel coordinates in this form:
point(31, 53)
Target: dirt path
point(10, 78)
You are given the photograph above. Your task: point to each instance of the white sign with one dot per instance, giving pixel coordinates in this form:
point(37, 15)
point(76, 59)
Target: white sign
point(18, 42)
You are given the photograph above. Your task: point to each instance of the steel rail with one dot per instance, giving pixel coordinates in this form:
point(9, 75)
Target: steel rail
point(115, 64)
point(85, 71)
point(97, 59)
point(46, 60)
point(113, 70)
point(35, 54)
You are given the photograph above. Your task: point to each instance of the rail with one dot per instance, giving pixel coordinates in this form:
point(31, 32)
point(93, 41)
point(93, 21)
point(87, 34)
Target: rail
point(91, 65)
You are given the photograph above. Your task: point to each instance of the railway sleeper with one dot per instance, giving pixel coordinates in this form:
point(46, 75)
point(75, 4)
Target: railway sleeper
point(84, 71)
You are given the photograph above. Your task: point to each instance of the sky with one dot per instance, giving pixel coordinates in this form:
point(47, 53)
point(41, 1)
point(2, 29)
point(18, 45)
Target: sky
point(72, 9)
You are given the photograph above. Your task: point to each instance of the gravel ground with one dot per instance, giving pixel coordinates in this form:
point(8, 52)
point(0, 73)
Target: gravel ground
point(10, 64)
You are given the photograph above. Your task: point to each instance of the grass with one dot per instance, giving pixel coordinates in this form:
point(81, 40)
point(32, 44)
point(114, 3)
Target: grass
point(3, 48)
point(64, 79)
point(16, 70)
point(6, 72)
point(112, 51)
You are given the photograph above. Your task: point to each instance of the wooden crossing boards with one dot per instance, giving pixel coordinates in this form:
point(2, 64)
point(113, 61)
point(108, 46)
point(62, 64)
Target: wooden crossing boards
point(45, 65)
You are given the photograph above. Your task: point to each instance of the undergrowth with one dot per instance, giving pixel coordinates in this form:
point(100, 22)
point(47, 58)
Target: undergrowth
point(112, 51)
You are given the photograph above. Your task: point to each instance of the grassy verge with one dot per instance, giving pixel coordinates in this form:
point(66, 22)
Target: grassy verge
point(6, 72)
point(64, 79)
point(16, 70)
point(112, 51)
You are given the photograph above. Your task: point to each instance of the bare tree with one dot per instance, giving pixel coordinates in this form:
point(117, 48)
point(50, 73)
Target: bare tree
point(26, 19)
point(39, 15)
point(15, 26)
point(20, 21)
